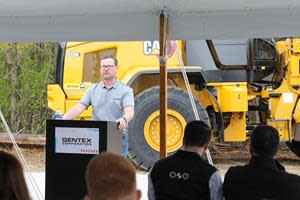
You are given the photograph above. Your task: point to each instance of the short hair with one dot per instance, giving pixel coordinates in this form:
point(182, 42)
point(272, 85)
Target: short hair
point(110, 177)
point(196, 133)
point(109, 57)
point(264, 141)
point(12, 181)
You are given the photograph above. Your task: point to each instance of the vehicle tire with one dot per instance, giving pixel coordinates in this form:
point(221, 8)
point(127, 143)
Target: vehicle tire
point(294, 146)
point(142, 150)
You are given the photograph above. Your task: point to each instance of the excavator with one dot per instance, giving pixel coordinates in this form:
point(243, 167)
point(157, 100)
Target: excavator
point(232, 99)
point(265, 90)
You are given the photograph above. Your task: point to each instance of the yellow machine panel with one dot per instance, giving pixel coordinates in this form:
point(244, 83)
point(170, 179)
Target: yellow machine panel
point(236, 130)
point(283, 128)
point(86, 114)
point(294, 70)
point(232, 97)
point(285, 102)
point(296, 45)
point(76, 90)
point(56, 98)
point(297, 113)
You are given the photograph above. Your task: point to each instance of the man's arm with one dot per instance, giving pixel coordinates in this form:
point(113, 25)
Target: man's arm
point(74, 111)
point(215, 186)
point(128, 113)
point(128, 109)
point(127, 117)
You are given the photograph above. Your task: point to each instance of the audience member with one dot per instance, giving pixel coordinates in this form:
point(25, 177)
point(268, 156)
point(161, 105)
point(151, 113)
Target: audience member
point(263, 178)
point(111, 177)
point(12, 181)
point(185, 175)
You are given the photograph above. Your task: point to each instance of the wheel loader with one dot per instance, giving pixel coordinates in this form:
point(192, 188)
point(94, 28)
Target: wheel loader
point(232, 99)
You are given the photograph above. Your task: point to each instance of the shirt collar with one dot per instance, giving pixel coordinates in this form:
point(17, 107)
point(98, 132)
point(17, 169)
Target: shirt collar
point(116, 84)
point(266, 162)
point(184, 153)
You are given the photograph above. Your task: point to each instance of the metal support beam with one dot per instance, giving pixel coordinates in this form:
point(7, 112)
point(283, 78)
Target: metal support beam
point(163, 19)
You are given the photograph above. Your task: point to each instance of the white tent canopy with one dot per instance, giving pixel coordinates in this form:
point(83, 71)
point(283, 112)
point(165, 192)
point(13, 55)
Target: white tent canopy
point(79, 20)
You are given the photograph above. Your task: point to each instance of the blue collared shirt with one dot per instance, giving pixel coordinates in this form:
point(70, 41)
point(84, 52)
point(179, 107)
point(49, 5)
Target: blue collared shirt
point(108, 103)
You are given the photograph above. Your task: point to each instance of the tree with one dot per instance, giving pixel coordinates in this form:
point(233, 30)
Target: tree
point(25, 71)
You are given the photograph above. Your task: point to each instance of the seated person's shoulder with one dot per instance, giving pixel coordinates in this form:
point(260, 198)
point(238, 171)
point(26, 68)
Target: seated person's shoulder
point(237, 169)
point(236, 172)
point(293, 177)
point(163, 164)
point(164, 161)
point(289, 182)
point(208, 166)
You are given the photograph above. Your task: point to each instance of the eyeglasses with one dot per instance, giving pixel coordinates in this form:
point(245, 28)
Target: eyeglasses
point(107, 66)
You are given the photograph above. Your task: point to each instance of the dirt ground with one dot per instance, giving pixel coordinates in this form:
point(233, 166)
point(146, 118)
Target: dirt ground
point(288, 159)
point(223, 157)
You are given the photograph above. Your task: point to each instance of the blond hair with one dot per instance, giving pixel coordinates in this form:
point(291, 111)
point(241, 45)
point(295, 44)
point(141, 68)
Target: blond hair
point(110, 177)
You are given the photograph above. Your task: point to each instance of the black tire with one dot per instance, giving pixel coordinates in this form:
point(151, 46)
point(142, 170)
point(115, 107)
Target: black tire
point(146, 103)
point(294, 146)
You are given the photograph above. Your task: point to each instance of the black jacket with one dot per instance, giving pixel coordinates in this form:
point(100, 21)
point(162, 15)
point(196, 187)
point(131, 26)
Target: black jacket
point(264, 179)
point(184, 175)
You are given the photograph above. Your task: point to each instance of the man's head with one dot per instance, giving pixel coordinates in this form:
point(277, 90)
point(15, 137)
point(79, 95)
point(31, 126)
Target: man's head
point(108, 67)
point(264, 141)
point(197, 134)
point(111, 177)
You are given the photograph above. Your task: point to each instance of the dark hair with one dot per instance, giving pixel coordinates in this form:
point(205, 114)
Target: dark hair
point(12, 181)
point(264, 141)
point(111, 57)
point(196, 133)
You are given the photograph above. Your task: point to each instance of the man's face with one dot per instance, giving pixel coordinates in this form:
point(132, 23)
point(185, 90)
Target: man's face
point(108, 69)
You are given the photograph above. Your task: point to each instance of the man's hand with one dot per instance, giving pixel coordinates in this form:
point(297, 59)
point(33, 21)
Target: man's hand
point(122, 123)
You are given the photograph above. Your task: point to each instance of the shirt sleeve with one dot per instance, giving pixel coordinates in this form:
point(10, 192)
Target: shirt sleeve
point(86, 99)
point(215, 186)
point(128, 99)
point(151, 192)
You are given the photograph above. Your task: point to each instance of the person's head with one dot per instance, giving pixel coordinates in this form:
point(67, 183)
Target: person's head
point(197, 134)
point(108, 67)
point(111, 177)
point(264, 141)
point(12, 181)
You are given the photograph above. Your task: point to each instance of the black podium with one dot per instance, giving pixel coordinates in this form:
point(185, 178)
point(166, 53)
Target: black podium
point(70, 144)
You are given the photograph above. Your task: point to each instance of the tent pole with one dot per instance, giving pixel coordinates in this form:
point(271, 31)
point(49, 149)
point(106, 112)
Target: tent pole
point(163, 20)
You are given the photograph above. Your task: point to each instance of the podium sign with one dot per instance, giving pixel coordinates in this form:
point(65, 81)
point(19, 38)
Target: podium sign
point(77, 140)
point(70, 144)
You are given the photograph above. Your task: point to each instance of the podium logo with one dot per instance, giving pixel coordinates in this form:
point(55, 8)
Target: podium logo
point(76, 141)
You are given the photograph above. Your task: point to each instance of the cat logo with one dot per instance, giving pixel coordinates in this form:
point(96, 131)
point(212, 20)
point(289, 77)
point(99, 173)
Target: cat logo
point(152, 48)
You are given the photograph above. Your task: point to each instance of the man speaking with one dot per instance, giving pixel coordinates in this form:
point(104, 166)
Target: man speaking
point(111, 100)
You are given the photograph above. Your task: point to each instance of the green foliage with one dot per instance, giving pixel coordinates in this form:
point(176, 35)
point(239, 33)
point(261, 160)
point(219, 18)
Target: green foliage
point(25, 71)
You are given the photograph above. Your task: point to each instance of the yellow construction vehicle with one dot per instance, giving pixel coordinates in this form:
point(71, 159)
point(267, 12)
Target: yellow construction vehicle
point(233, 99)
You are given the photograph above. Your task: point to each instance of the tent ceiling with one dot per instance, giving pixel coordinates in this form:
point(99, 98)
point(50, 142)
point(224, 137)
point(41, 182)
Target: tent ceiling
point(61, 20)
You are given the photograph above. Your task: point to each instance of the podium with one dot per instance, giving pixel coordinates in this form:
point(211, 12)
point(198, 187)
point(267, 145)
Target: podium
point(70, 145)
